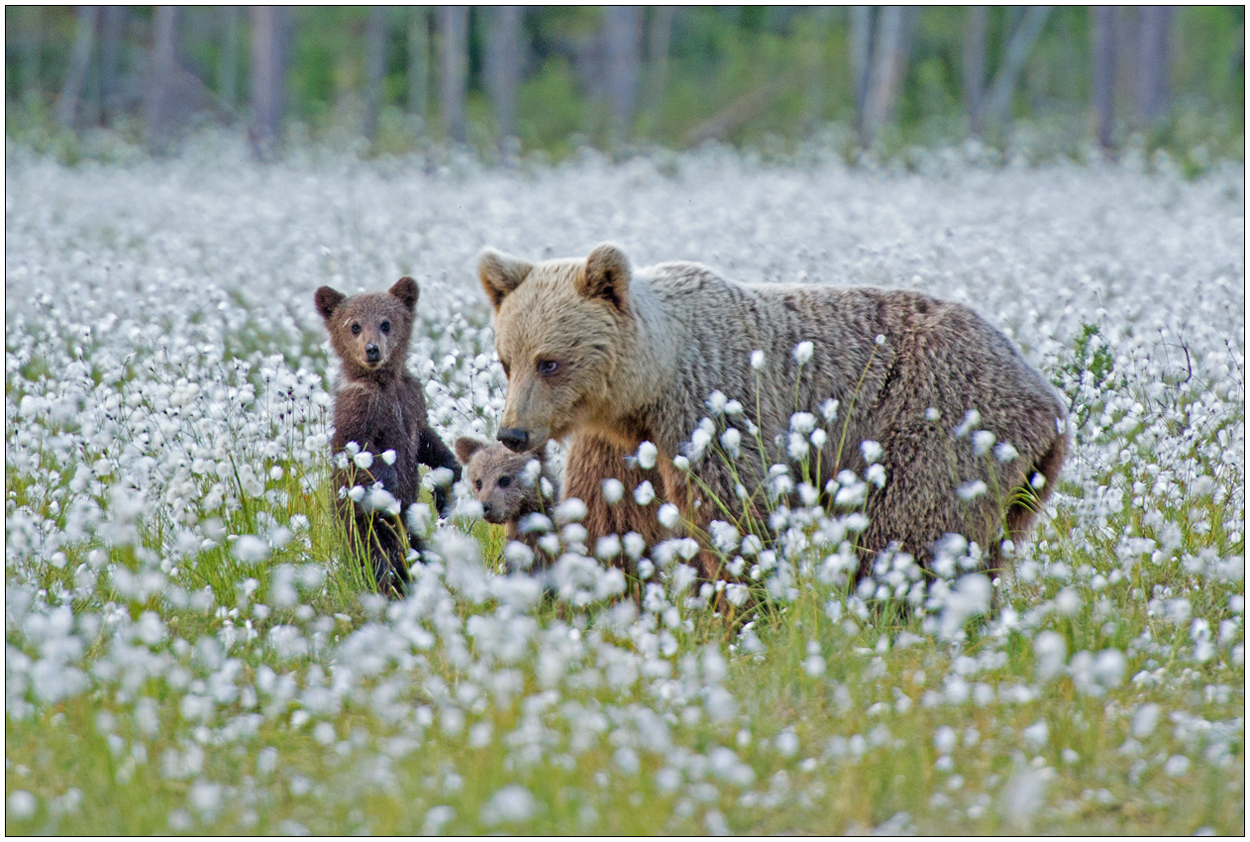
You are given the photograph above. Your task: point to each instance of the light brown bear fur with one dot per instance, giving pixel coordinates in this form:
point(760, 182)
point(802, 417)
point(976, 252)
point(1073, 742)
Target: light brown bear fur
point(636, 354)
point(508, 489)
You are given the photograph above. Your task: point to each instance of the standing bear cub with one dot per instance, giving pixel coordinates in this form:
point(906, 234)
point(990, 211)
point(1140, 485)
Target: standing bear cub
point(380, 408)
point(512, 488)
point(608, 357)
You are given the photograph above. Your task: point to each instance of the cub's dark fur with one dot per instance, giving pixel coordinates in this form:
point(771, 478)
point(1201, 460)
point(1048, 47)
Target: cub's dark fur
point(380, 406)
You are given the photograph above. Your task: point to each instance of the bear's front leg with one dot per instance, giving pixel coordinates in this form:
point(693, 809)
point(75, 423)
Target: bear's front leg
point(591, 460)
point(431, 451)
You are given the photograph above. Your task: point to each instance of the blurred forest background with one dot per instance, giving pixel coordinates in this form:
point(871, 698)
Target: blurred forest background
point(507, 81)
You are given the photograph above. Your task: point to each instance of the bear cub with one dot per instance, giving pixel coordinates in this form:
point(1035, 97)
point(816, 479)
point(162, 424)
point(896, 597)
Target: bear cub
point(511, 488)
point(380, 408)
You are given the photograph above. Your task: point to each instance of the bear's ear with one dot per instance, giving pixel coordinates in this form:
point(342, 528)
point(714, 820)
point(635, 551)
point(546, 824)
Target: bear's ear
point(328, 300)
point(466, 446)
point(607, 276)
point(500, 273)
point(407, 291)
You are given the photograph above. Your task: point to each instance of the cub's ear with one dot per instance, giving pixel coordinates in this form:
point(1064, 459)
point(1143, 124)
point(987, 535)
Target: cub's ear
point(500, 273)
point(607, 276)
point(407, 291)
point(466, 446)
point(328, 300)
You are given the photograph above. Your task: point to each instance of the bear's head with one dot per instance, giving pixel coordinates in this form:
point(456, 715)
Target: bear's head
point(560, 327)
point(507, 484)
point(370, 332)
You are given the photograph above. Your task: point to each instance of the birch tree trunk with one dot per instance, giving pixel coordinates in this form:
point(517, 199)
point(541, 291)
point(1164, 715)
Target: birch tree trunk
point(861, 56)
point(1153, 60)
point(1104, 74)
point(160, 101)
point(30, 49)
point(375, 68)
point(889, 61)
point(419, 64)
point(659, 33)
point(114, 20)
point(503, 68)
point(998, 100)
point(974, 67)
point(453, 25)
point(814, 107)
point(623, 40)
point(268, 63)
point(76, 75)
point(228, 71)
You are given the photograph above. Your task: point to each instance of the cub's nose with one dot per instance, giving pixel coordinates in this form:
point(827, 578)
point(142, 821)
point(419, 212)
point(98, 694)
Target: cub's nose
point(514, 438)
point(373, 353)
point(485, 509)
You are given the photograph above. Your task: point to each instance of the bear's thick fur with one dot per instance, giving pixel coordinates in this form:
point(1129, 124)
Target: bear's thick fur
point(381, 407)
point(510, 488)
point(608, 357)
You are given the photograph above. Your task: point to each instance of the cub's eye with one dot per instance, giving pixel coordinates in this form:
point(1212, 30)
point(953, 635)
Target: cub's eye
point(355, 329)
point(478, 483)
point(386, 326)
point(504, 482)
point(547, 367)
point(507, 370)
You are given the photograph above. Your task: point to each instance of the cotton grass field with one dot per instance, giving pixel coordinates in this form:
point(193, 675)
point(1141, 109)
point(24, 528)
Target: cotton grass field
point(188, 648)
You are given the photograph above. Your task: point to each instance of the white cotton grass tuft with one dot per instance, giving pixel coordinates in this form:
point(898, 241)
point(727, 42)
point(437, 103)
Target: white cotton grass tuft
point(613, 490)
point(647, 453)
point(803, 352)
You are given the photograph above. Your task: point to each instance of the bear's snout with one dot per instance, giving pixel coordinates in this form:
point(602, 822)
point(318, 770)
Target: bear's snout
point(372, 352)
point(514, 438)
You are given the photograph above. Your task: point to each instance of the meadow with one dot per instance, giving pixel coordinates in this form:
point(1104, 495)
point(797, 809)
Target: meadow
point(188, 648)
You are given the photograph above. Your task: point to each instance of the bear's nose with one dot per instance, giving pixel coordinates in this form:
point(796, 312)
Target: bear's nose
point(514, 438)
point(486, 508)
point(372, 353)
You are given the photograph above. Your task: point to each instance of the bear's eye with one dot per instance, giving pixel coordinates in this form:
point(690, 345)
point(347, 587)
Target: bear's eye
point(355, 328)
point(386, 326)
point(478, 483)
point(504, 482)
point(547, 367)
point(507, 370)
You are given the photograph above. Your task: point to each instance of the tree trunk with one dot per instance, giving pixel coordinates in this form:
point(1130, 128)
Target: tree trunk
point(974, 67)
point(267, 78)
point(228, 71)
point(861, 56)
point(1153, 59)
point(1104, 73)
point(76, 75)
point(503, 67)
point(375, 68)
point(817, 75)
point(160, 104)
point(419, 64)
point(659, 33)
point(30, 47)
point(453, 25)
point(110, 60)
point(888, 65)
point(623, 41)
point(998, 100)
